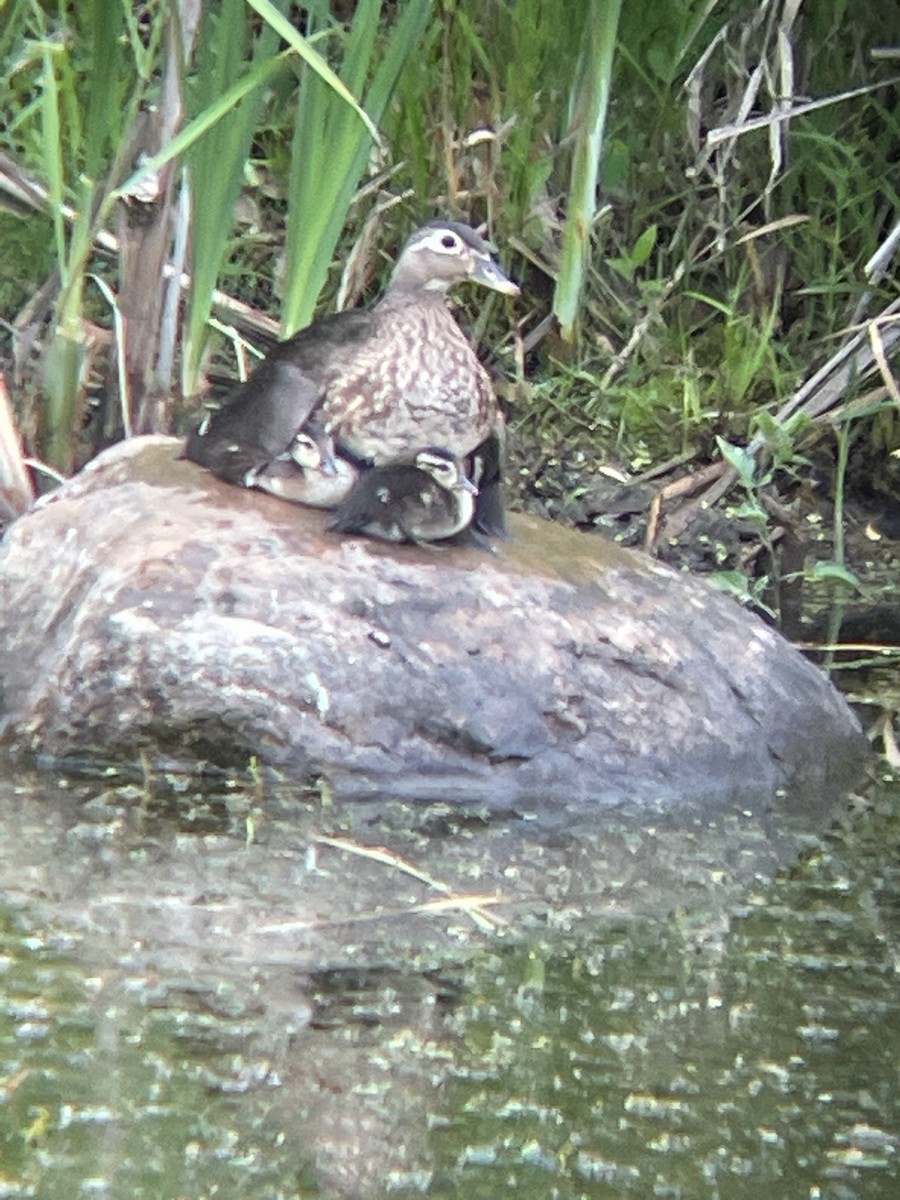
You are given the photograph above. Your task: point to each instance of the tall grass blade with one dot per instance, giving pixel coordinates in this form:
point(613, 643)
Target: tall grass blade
point(65, 352)
point(230, 100)
point(330, 150)
point(52, 150)
point(104, 100)
point(201, 125)
point(590, 100)
point(276, 19)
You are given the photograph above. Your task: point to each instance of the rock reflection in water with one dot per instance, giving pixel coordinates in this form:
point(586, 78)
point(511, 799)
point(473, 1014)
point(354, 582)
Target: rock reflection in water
point(198, 996)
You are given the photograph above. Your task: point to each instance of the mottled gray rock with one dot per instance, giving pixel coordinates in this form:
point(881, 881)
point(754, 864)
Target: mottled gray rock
point(149, 607)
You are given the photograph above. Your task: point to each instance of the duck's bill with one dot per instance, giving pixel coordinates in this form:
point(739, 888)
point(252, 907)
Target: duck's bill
point(488, 273)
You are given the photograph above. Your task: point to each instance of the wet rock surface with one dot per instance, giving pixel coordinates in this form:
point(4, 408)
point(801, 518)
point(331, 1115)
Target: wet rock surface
point(150, 609)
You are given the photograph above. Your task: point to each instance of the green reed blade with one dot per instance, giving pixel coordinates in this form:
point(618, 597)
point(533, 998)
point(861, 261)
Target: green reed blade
point(590, 100)
point(330, 151)
point(279, 22)
point(230, 99)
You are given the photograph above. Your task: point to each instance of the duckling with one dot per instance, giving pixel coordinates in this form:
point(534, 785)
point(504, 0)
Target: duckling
point(308, 473)
point(381, 381)
point(425, 500)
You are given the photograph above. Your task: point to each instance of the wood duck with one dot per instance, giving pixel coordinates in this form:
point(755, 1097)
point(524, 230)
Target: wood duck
point(382, 382)
point(424, 500)
point(308, 473)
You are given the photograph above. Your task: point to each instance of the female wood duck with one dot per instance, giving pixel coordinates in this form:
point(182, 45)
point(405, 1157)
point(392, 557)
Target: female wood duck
point(383, 382)
point(308, 473)
point(425, 500)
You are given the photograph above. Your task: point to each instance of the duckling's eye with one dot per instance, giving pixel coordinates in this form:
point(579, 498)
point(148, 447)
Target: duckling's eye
point(449, 242)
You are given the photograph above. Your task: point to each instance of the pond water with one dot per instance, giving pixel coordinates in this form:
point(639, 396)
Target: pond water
point(242, 991)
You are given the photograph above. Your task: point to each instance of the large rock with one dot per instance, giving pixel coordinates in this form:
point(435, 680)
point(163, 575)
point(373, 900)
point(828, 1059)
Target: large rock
point(150, 607)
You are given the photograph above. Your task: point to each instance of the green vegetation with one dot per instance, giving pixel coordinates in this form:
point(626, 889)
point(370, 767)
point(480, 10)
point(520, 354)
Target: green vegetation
point(740, 237)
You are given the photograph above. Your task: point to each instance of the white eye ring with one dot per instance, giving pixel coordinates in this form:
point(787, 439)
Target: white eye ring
point(449, 241)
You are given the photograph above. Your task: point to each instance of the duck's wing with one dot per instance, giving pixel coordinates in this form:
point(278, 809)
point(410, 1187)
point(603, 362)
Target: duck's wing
point(321, 348)
point(257, 422)
point(485, 469)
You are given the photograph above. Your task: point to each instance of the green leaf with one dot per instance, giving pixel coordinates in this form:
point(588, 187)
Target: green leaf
point(52, 151)
point(749, 512)
point(737, 585)
point(216, 160)
point(622, 266)
point(643, 247)
point(827, 570)
point(615, 165)
point(103, 117)
point(718, 305)
point(739, 459)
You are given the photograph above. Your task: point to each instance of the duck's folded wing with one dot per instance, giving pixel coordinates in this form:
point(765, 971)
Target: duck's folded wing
point(256, 423)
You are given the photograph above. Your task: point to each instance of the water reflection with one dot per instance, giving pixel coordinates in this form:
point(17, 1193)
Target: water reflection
point(639, 1068)
point(198, 998)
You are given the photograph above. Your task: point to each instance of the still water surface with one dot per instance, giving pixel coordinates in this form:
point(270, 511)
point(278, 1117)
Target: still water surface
point(167, 1031)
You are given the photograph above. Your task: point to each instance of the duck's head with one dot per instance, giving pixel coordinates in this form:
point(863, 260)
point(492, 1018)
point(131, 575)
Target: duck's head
point(445, 469)
point(313, 449)
point(441, 254)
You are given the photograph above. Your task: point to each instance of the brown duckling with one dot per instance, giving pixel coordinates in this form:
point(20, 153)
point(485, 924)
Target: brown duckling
point(309, 473)
point(424, 500)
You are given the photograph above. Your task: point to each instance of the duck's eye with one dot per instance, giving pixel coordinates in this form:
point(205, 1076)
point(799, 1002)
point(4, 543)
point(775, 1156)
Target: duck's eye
point(449, 242)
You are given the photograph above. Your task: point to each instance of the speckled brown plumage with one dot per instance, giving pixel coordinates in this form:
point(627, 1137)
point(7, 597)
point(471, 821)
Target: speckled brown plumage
point(416, 381)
